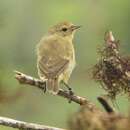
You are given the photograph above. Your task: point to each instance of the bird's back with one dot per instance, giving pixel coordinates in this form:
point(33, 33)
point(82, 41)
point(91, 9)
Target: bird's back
point(55, 46)
point(55, 49)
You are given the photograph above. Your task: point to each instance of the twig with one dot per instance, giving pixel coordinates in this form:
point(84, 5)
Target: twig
point(25, 79)
point(24, 125)
point(105, 104)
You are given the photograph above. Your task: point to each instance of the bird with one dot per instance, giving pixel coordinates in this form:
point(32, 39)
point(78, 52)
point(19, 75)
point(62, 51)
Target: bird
point(56, 55)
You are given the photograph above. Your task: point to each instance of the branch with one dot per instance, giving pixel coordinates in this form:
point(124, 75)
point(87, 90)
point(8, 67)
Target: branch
point(105, 104)
point(25, 79)
point(24, 125)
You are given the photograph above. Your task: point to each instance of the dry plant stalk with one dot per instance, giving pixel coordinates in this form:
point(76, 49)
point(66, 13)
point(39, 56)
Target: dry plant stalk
point(112, 70)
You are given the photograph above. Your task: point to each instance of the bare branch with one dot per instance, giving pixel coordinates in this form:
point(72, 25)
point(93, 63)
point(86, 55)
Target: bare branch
point(24, 125)
point(25, 79)
point(105, 104)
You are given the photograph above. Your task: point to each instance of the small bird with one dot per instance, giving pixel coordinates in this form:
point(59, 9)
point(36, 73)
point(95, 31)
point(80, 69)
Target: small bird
point(56, 55)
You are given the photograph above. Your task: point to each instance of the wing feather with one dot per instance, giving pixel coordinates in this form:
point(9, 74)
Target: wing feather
point(52, 68)
point(53, 55)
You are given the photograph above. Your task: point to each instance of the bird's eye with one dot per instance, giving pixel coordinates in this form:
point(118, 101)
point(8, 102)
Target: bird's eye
point(64, 29)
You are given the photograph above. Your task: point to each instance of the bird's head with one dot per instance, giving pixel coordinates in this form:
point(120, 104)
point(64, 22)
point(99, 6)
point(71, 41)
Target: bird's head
point(65, 29)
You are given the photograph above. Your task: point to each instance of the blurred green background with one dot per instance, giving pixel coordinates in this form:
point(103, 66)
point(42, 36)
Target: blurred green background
point(24, 22)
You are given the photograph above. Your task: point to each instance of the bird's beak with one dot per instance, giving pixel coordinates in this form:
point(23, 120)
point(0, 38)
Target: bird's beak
point(75, 27)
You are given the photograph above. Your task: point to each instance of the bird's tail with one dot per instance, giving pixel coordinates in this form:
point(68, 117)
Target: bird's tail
point(53, 86)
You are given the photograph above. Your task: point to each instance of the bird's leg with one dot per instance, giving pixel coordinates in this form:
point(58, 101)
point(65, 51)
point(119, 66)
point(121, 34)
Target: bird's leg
point(43, 86)
point(69, 88)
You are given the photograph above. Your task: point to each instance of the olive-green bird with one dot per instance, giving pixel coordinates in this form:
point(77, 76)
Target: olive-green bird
point(56, 55)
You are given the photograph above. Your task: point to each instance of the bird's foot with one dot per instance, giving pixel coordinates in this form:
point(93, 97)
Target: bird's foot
point(43, 86)
point(70, 91)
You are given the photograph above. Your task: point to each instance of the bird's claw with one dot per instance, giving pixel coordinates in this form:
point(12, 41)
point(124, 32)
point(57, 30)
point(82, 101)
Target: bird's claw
point(71, 93)
point(44, 87)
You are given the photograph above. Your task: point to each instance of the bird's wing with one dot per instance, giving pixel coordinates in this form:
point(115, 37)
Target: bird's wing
point(53, 59)
point(52, 67)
